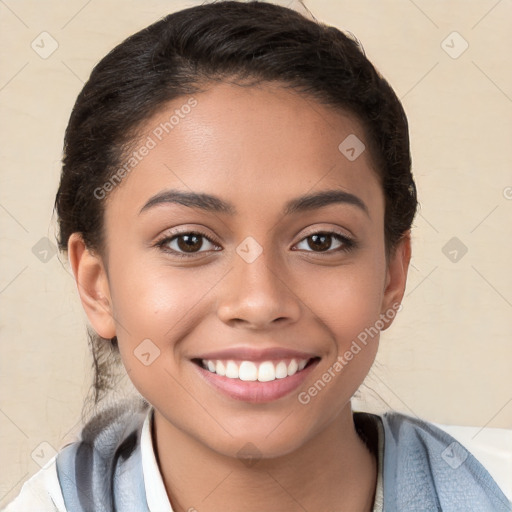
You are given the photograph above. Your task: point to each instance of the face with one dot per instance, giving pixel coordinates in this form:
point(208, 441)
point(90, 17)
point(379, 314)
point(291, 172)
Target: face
point(256, 274)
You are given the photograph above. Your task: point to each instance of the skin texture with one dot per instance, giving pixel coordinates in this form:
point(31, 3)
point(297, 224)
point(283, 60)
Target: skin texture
point(257, 147)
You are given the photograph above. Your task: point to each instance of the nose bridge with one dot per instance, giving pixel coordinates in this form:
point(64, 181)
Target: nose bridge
point(256, 291)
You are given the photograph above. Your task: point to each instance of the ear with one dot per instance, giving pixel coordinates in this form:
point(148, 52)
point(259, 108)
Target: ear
point(93, 287)
point(396, 275)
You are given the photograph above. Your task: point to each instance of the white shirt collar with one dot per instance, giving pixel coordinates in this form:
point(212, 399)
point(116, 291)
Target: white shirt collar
point(156, 495)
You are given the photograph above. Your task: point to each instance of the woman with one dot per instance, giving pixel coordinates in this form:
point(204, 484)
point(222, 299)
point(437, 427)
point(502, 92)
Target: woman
point(236, 201)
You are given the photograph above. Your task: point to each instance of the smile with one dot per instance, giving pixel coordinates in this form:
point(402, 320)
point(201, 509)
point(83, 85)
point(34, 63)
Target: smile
point(254, 382)
point(265, 371)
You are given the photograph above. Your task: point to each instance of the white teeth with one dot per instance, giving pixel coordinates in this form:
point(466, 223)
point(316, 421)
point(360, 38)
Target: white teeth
point(232, 370)
point(266, 372)
point(249, 371)
point(292, 367)
point(281, 370)
point(220, 369)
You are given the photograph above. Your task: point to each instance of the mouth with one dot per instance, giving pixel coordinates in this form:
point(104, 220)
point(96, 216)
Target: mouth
point(252, 381)
point(250, 371)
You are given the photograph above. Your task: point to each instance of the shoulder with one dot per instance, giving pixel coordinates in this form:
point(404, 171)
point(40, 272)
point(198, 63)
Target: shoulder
point(107, 446)
point(423, 464)
point(41, 492)
point(103, 470)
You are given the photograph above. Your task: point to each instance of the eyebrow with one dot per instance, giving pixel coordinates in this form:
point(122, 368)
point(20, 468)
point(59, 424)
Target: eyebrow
point(210, 203)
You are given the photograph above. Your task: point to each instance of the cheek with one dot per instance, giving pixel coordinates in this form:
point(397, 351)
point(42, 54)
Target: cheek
point(153, 309)
point(348, 299)
point(156, 301)
point(348, 302)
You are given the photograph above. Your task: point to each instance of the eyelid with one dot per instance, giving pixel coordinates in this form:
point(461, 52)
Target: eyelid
point(329, 230)
point(348, 242)
point(167, 237)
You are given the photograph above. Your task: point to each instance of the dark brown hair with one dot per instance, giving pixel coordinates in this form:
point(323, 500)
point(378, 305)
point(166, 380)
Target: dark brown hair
point(182, 54)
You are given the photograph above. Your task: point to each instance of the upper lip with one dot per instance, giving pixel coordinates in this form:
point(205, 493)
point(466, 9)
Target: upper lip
point(251, 354)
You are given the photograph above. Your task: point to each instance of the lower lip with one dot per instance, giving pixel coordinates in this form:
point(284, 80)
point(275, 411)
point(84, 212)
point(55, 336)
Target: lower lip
point(255, 391)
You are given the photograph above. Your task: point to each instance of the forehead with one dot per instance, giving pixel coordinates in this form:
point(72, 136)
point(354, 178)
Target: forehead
point(248, 144)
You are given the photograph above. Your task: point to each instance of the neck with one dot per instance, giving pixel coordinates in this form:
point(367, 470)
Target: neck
point(334, 470)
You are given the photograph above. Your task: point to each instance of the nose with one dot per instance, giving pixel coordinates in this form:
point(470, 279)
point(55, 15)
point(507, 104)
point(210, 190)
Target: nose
point(258, 294)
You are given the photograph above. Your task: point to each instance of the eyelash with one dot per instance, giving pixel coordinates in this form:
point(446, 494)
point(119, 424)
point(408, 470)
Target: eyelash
point(348, 243)
point(167, 239)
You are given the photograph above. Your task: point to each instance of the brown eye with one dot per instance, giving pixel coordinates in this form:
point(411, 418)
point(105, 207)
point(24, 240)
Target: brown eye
point(187, 244)
point(320, 242)
point(323, 242)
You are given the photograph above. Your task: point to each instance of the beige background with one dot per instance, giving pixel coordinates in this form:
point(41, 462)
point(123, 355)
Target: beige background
point(448, 356)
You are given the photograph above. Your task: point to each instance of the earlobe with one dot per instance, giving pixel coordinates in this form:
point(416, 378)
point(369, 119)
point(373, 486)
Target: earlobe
point(92, 284)
point(396, 277)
